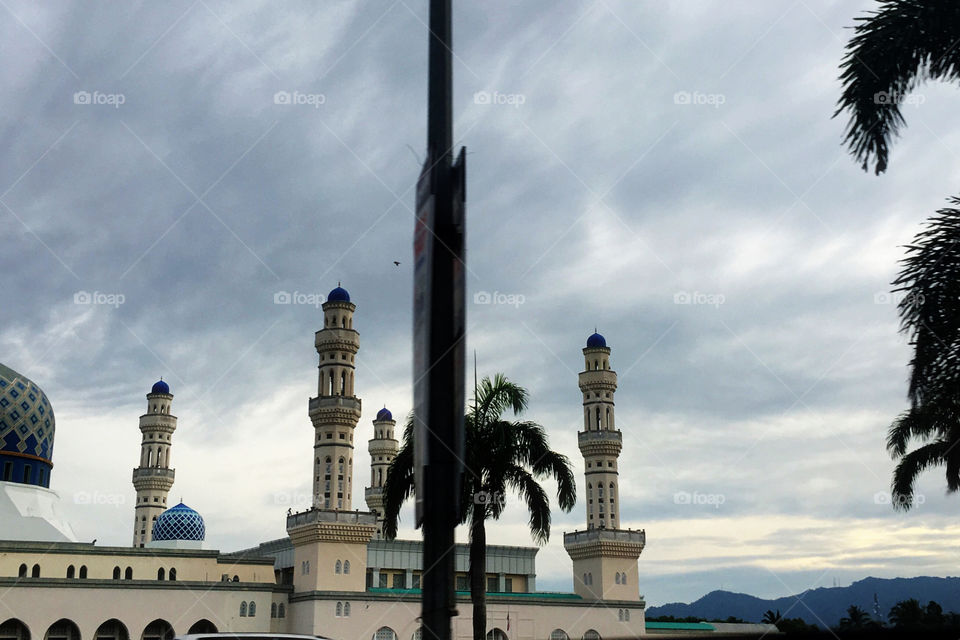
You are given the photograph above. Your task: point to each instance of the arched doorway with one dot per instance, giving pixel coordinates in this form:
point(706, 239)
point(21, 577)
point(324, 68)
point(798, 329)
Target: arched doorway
point(559, 634)
point(13, 629)
point(496, 634)
point(158, 630)
point(203, 626)
point(112, 629)
point(592, 634)
point(385, 633)
point(63, 629)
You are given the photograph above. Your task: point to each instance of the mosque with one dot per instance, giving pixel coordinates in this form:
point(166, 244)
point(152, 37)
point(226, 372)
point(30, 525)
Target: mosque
point(333, 575)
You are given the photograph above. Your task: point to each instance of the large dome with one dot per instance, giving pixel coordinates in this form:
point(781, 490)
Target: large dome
point(339, 294)
point(595, 341)
point(26, 430)
point(384, 414)
point(179, 523)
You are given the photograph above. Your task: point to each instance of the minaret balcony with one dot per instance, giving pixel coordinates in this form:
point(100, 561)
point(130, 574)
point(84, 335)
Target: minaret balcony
point(153, 472)
point(372, 492)
point(348, 403)
point(622, 536)
point(603, 442)
point(382, 446)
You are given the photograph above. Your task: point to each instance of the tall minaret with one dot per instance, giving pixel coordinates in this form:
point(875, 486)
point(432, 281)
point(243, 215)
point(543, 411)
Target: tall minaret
point(330, 539)
point(600, 441)
point(336, 409)
point(154, 477)
point(604, 554)
point(383, 449)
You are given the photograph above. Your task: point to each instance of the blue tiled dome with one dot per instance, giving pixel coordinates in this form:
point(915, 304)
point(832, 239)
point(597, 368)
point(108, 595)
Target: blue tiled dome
point(596, 340)
point(384, 414)
point(160, 387)
point(338, 295)
point(26, 429)
point(179, 523)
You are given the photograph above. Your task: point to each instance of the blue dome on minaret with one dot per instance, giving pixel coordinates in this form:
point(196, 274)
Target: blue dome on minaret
point(179, 523)
point(26, 430)
point(160, 387)
point(338, 295)
point(596, 340)
point(384, 414)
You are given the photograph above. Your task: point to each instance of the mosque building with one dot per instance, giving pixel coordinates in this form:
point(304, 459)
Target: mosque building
point(333, 574)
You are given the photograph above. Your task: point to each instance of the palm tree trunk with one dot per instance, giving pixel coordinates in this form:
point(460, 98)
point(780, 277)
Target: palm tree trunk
point(478, 571)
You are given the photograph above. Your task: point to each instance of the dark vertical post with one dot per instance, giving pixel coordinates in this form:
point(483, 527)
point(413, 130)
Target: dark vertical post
point(445, 414)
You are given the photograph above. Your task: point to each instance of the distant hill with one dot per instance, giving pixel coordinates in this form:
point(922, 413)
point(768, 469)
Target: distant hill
point(824, 606)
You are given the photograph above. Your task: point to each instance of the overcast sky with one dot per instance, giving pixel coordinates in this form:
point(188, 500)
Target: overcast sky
point(624, 158)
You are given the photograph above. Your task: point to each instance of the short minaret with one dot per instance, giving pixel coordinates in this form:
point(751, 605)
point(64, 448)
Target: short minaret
point(604, 556)
point(154, 477)
point(383, 448)
point(336, 409)
point(329, 539)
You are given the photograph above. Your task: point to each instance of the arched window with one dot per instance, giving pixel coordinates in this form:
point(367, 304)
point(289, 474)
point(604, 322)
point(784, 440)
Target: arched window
point(252, 611)
point(329, 463)
point(346, 609)
point(273, 609)
point(161, 574)
point(617, 578)
point(116, 573)
point(598, 418)
point(173, 573)
point(128, 574)
point(23, 571)
point(343, 383)
point(340, 466)
point(159, 629)
point(83, 572)
point(243, 609)
point(112, 629)
point(282, 611)
point(35, 573)
point(626, 615)
point(608, 417)
point(71, 571)
point(339, 567)
point(599, 490)
point(623, 580)
point(585, 579)
point(62, 629)
point(591, 635)
point(339, 609)
point(385, 633)
point(236, 578)
point(496, 634)
point(346, 566)
point(590, 490)
point(559, 634)
point(202, 626)
point(620, 615)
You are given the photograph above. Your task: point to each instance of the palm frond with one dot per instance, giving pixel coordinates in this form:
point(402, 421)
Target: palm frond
point(892, 50)
point(911, 466)
point(399, 485)
point(538, 504)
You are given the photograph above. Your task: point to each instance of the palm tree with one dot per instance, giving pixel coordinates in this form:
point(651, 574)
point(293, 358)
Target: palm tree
point(906, 613)
point(929, 314)
point(892, 50)
point(770, 617)
point(500, 455)
point(856, 618)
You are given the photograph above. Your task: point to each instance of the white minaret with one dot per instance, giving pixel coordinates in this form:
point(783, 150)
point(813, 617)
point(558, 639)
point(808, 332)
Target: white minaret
point(336, 409)
point(604, 555)
point(154, 477)
point(383, 448)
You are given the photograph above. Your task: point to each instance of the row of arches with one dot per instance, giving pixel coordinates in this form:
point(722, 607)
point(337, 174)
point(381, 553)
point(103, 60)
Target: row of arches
point(621, 578)
point(113, 629)
point(248, 609)
point(386, 633)
point(623, 615)
point(278, 610)
point(73, 573)
point(343, 609)
point(342, 567)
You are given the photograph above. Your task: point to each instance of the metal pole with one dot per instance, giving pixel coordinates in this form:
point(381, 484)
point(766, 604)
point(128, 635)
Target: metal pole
point(441, 474)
